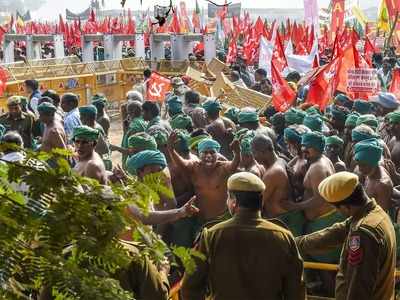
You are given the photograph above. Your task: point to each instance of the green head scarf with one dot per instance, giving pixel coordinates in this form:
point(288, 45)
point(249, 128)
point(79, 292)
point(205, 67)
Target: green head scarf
point(369, 120)
point(334, 140)
point(394, 117)
point(212, 106)
point(46, 108)
point(174, 106)
point(99, 101)
point(351, 120)
point(232, 114)
point(314, 122)
point(194, 141)
point(368, 152)
point(362, 107)
point(183, 141)
point(209, 144)
point(145, 158)
point(294, 116)
point(181, 121)
point(161, 137)
point(339, 113)
point(314, 140)
point(361, 133)
point(313, 110)
point(85, 133)
point(142, 141)
point(245, 142)
point(88, 110)
point(248, 117)
point(278, 119)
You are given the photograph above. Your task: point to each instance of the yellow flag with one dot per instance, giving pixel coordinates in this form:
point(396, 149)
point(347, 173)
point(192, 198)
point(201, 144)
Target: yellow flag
point(383, 17)
point(359, 14)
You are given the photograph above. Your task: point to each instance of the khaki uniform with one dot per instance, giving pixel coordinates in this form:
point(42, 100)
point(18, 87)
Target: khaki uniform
point(368, 258)
point(247, 258)
point(23, 125)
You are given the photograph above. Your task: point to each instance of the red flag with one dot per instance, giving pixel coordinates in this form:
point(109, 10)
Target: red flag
point(369, 50)
point(395, 84)
point(282, 94)
point(337, 16)
point(259, 26)
point(310, 41)
point(393, 7)
point(323, 85)
point(232, 52)
point(92, 17)
point(157, 87)
point(175, 24)
point(3, 80)
point(61, 26)
point(279, 54)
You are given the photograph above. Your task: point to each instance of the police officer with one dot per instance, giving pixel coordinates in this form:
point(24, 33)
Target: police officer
point(246, 257)
point(368, 259)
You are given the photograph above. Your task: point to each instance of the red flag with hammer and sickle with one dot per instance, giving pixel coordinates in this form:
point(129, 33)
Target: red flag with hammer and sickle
point(157, 87)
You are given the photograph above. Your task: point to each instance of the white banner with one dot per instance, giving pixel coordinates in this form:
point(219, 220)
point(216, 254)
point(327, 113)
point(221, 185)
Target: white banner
point(362, 80)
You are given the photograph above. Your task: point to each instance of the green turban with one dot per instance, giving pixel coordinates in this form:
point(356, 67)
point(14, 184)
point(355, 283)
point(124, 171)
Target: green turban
point(292, 135)
point(183, 141)
point(334, 140)
point(88, 110)
point(314, 140)
point(232, 114)
point(358, 134)
point(368, 152)
point(313, 110)
point(248, 117)
point(161, 137)
point(314, 122)
point(339, 113)
point(351, 120)
point(240, 132)
point(394, 117)
point(362, 107)
point(209, 144)
point(145, 158)
point(294, 116)
point(85, 133)
point(343, 100)
point(369, 120)
point(174, 106)
point(99, 100)
point(142, 141)
point(245, 142)
point(46, 108)
point(212, 106)
point(3, 130)
point(181, 121)
point(278, 119)
point(194, 141)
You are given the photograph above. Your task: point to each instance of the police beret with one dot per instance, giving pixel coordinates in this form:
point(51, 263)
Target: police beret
point(338, 187)
point(245, 182)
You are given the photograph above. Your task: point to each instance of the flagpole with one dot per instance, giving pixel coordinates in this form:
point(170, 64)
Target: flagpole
point(392, 30)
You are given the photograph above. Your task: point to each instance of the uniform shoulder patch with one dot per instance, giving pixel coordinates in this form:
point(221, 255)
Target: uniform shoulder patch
point(355, 252)
point(354, 243)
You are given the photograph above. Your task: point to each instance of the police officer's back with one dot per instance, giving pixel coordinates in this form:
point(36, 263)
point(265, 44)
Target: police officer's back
point(247, 257)
point(368, 259)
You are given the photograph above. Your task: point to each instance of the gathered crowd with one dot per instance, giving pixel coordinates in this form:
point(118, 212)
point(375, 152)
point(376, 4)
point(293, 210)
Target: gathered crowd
point(256, 192)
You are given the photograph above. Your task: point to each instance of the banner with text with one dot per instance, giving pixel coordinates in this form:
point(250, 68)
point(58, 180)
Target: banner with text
point(362, 80)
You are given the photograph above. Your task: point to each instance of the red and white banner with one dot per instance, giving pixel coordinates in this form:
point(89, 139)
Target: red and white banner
point(338, 10)
point(362, 80)
point(157, 87)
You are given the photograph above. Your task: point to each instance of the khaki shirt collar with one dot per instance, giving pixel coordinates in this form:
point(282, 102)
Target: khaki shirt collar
point(247, 214)
point(365, 210)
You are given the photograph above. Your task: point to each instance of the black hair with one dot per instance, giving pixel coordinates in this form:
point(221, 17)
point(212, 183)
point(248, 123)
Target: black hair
point(262, 72)
point(192, 97)
point(357, 198)
point(293, 76)
point(147, 73)
point(199, 132)
point(32, 83)
point(53, 95)
point(12, 137)
point(262, 143)
point(250, 200)
point(71, 98)
point(45, 99)
point(235, 75)
point(152, 108)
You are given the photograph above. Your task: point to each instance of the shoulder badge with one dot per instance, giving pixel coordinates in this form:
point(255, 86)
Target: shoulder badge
point(354, 243)
point(355, 253)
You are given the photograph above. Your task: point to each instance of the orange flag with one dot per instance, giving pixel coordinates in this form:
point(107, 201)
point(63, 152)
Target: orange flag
point(395, 85)
point(282, 94)
point(157, 87)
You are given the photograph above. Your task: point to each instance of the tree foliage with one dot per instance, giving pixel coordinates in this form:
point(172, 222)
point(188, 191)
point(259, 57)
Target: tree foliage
point(61, 231)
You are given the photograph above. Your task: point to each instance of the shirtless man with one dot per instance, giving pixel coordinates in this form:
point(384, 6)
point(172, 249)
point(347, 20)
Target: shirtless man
point(275, 176)
point(394, 144)
point(54, 135)
point(334, 149)
point(247, 162)
point(378, 184)
point(220, 128)
point(208, 176)
point(90, 163)
point(100, 102)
